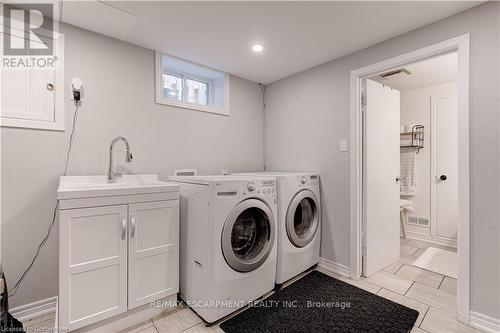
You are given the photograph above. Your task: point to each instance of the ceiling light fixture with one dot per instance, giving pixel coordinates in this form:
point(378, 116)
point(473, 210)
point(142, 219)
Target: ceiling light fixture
point(257, 48)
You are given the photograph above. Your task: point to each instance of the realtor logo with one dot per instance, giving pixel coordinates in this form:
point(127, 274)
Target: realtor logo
point(27, 29)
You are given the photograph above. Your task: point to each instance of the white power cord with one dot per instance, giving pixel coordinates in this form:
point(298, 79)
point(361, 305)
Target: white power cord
point(15, 288)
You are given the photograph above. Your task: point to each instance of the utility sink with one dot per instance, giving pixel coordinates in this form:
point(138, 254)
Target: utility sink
point(71, 187)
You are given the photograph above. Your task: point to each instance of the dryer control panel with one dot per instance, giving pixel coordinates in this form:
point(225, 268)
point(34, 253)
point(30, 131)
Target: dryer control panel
point(314, 180)
point(307, 180)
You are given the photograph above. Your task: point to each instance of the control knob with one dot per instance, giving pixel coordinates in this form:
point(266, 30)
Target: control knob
point(251, 187)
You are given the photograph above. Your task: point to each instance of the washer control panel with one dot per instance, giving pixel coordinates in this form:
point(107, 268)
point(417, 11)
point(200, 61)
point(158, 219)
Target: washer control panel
point(264, 188)
point(268, 186)
point(251, 186)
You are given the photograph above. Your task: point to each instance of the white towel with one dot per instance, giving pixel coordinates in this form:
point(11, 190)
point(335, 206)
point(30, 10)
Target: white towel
point(405, 142)
point(408, 168)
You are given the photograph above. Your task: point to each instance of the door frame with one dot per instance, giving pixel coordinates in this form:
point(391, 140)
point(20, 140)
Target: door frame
point(459, 44)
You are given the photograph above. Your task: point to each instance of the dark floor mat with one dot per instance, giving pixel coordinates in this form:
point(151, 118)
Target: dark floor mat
point(319, 303)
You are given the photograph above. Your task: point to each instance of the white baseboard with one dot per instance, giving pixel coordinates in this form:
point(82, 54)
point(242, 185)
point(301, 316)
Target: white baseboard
point(132, 317)
point(484, 323)
point(334, 267)
point(35, 309)
point(431, 239)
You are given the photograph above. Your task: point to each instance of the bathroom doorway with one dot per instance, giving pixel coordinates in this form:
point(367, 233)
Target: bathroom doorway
point(428, 148)
point(409, 170)
point(410, 135)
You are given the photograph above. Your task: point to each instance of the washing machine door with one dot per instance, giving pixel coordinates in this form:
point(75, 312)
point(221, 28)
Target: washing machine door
point(248, 235)
point(302, 218)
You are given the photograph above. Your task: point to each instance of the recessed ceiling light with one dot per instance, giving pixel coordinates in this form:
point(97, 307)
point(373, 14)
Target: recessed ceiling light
point(257, 48)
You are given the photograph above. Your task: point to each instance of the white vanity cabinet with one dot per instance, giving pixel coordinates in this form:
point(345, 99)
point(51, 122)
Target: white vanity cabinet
point(116, 252)
point(153, 248)
point(92, 265)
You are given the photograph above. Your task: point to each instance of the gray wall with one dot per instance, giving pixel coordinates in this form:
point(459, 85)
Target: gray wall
point(307, 115)
point(119, 100)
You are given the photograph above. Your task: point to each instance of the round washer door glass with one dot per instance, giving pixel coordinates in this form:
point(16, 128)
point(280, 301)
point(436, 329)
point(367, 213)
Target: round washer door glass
point(302, 218)
point(248, 235)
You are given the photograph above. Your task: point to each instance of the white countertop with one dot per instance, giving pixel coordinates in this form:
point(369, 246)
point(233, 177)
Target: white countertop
point(71, 187)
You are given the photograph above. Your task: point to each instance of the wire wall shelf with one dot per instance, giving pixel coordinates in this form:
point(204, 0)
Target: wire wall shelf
point(413, 139)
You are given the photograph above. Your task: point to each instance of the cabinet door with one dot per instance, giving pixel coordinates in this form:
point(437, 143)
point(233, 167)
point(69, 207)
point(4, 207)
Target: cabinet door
point(92, 265)
point(26, 99)
point(153, 251)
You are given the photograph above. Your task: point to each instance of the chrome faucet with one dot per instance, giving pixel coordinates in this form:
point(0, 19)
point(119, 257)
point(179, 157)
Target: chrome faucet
point(112, 175)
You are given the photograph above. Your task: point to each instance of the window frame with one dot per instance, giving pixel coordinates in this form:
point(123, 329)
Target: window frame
point(188, 76)
point(174, 75)
point(210, 108)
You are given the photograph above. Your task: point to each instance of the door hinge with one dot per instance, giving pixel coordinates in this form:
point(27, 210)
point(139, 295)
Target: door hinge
point(363, 251)
point(363, 102)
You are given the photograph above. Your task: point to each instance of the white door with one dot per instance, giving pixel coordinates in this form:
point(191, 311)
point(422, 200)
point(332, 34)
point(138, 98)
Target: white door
point(445, 169)
point(381, 170)
point(92, 265)
point(153, 251)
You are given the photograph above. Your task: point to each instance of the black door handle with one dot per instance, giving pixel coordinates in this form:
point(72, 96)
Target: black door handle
point(443, 177)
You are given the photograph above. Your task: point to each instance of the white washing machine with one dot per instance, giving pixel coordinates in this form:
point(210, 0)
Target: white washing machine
point(228, 242)
point(299, 222)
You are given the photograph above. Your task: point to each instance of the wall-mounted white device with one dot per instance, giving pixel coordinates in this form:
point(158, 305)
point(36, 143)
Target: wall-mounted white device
point(343, 145)
point(76, 89)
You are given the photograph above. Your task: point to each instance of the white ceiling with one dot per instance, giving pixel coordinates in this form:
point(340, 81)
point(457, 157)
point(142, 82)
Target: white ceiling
point(431, 72)
point(295, 35)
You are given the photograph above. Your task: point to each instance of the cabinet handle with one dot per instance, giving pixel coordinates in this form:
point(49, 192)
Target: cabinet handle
point(132, 227)
point(124, 227)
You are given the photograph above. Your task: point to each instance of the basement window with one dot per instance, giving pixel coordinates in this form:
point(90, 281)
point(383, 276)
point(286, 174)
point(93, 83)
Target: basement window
point(188, 85)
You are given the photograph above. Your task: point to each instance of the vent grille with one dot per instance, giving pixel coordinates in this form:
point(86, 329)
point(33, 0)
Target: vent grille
point(185, 172)
point(418, 220)
point(423, 221)
point(413, 219)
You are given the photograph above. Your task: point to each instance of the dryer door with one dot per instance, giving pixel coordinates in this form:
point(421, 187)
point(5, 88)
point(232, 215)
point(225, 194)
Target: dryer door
point(302, 218)
point(248, 235)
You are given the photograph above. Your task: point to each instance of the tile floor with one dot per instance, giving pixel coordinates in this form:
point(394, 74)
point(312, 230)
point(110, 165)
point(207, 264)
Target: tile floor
point(432, 295)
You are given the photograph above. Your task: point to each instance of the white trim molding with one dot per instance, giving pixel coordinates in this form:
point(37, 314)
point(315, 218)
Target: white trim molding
point(333, 267)
point(484, 323)
point(35, 309)
point(441, 241)
point(460, 45)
